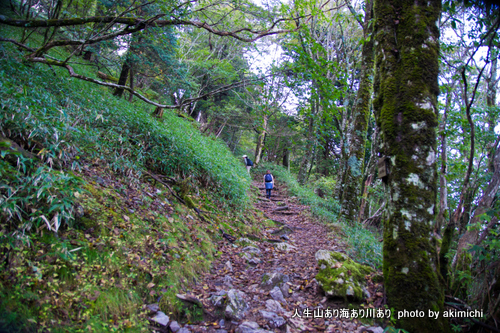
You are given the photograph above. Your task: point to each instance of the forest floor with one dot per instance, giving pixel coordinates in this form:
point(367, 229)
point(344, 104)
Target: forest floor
point(276, 277)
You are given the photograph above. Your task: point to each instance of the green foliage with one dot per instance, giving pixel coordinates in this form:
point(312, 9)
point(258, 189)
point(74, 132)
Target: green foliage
point(36, 195)
point(69, 121)
point(101, 277)
point(99, 270)
point(326, 185)
point(364, 244)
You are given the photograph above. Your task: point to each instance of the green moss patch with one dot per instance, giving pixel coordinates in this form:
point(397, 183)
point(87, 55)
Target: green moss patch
point(339, 276)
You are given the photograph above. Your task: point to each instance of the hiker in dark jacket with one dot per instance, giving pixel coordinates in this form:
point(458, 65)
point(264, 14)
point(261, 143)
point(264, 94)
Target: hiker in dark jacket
point(248, 162)
point(269, 182)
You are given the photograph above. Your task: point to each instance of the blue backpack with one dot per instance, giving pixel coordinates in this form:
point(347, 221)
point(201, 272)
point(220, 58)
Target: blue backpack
point(249, 162)
point(268, 178)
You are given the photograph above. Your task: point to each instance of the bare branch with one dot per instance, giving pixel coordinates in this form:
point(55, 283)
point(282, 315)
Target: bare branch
point(17, 43)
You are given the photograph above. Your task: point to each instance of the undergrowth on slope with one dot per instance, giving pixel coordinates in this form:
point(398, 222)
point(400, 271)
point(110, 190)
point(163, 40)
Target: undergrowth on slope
point(87, 237)
point(363, 244)
point(70, 122)
point(131, 246)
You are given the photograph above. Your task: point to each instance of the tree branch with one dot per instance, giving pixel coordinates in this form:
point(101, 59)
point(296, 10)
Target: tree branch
point(141, 24)
point(353, 12)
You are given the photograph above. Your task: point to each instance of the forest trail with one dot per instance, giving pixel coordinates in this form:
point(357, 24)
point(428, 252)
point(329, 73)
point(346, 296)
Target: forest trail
point(285, 260)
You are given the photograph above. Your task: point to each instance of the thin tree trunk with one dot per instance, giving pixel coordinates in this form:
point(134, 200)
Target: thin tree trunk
point(405, 104)
point(122, 80)
point(313, 158)
point(260, 140)
point(443, 185)
point(221, 128)
point(286, 159)
point(301, 177)
point(364, 199)
point(369, 173)
point(131, 83)
point(491, 101)
point(158, 112)
point(351, 194)
point(341, 175)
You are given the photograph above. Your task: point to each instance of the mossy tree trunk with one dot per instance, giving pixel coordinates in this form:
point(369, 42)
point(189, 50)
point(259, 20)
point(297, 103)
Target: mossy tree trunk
point(491, 96)
point(405, 104)
point(123, 77)
point(369, 177)
point(358, 130)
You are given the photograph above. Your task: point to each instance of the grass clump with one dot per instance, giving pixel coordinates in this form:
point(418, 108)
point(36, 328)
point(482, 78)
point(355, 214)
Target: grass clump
point(364, 244)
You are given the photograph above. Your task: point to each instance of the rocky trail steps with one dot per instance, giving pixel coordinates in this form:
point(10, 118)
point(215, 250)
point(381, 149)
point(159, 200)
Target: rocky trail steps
point(270, 286)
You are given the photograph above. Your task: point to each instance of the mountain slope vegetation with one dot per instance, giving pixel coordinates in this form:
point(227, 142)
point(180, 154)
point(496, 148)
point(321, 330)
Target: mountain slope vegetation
point(92, 221)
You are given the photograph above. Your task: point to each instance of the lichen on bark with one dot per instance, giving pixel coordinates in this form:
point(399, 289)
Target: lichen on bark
point(405, 104)
point(351, 194)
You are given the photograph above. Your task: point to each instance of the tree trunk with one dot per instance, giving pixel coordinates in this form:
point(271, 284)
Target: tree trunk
point(260, 140)
point(405, 104)
point(443, 185)
point(122, 80)
point(357, 133)
point(324, 161)
point(131, 84)
point(301, 177)
point(364, 199)
point(340, 181)
point(286, 159)
point(371, 168)
point(158, 112)
point(491, 95)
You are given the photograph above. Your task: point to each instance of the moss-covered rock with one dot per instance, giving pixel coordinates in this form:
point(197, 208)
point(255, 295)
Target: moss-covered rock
point(340, 276)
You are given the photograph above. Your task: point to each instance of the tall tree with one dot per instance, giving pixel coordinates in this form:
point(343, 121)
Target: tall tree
point(356, 136)
point(406, 89)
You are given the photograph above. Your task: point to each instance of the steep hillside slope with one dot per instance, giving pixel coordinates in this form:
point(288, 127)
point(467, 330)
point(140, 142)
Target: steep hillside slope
point(103, 208)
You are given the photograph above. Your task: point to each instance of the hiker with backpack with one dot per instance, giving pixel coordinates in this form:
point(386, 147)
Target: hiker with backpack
point(248, 162)
point(269, 182)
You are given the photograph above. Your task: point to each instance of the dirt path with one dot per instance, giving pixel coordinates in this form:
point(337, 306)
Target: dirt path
point(244, 269)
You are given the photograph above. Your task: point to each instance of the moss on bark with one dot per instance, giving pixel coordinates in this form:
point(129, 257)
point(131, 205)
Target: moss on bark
point(357, 133)
point(406, 89)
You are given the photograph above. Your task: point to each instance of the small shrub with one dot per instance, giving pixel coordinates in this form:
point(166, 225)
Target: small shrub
point(36, 195)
